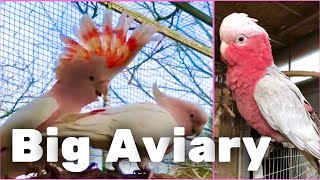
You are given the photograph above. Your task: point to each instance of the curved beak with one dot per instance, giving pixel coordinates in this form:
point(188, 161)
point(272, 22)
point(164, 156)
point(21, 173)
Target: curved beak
point(103, 88)
point(197, 130)
point(223, 47)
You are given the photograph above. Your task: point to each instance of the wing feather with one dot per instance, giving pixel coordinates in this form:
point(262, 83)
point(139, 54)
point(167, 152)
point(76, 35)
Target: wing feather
point(29, 116)
point(282, 105)
point(144, 120)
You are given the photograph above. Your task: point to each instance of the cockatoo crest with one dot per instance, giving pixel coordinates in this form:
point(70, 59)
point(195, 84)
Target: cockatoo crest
point(109, 45)
point(240, 24)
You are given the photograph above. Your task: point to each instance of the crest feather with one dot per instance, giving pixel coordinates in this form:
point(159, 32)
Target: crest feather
point(110, 45)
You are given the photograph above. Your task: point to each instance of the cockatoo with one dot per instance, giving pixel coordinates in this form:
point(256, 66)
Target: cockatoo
point(143, 119)
point(265, 97)
point(84, 71)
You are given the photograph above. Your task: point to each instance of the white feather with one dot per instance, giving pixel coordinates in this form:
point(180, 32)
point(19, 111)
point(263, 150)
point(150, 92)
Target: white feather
point(282, 105)
point(28, 117)
point(144, 120)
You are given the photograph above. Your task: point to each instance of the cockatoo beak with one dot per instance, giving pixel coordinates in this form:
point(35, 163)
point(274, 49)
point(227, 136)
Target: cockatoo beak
point(103, 89)
point(223, 47)
point(197, 130)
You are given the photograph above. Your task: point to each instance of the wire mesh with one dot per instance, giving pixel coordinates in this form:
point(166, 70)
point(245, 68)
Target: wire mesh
point(30, 46)
point(287, 163)
point(168, 15)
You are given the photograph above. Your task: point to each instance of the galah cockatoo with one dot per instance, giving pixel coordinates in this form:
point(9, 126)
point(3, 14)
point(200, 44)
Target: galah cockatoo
point(84, 71)
point(143, 119)
point(265, 97)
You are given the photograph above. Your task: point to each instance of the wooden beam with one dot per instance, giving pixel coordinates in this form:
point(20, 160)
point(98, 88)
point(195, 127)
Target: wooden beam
point(188, 8)
point(160, 28)
point(296, 25)
point(288, 8)
point(277, 40)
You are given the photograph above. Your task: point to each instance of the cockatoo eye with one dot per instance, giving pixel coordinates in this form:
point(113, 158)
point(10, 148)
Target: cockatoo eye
point(241, 39)
point(191, 115)
point(91, 78)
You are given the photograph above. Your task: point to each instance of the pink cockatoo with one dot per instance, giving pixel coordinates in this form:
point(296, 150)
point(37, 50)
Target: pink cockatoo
point(143, 119)
point(265, 97)
point(84, 71)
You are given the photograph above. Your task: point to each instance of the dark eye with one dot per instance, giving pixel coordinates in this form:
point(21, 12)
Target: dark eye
point(241, 39)
point(91, 78)
point(191, 115)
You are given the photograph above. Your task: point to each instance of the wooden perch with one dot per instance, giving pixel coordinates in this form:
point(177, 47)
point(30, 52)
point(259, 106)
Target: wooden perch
point(302, 73)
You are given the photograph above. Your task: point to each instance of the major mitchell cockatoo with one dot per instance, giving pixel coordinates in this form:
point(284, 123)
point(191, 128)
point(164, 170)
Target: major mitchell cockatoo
point(84, 71)
point(143, 119)
point(265, 97)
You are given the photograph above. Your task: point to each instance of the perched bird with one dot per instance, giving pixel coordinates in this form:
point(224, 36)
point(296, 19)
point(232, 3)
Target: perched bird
point(265, 97)
point(84, 71)
point(143, 119)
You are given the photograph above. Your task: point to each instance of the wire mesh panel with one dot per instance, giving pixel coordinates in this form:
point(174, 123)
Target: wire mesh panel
point(287, 163)
point(30, 46)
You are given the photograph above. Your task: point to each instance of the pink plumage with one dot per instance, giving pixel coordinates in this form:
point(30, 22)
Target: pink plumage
point(265, 97)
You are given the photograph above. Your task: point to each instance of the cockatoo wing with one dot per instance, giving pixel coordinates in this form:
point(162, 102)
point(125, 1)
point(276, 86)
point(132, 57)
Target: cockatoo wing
point(283, 106)
point(144, 120)
point(28, 117)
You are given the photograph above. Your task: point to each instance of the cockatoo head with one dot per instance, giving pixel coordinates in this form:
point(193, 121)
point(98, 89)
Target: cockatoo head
point(244, 42)
point(187, 114)
point(99, 55)
point(90, 74)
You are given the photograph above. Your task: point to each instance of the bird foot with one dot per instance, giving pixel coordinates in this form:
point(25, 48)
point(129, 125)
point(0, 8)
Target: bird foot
point(144, 171)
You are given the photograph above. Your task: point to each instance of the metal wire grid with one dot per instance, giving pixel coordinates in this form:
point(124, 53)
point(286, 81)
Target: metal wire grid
point(30, 46)
point(182, 22)
point(287, 163)
point(205, 7)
